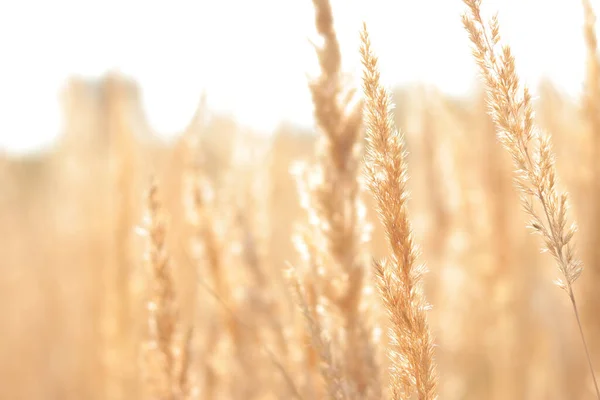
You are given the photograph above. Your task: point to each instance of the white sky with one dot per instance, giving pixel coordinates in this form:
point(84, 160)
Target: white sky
point(251, 56)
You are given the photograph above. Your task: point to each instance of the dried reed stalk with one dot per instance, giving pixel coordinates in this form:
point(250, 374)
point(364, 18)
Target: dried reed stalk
point(329, 366)
point(510, 106)
point(213, 257)
point(308, 301)
point(335, 203)
point(592, 113)
point(166, 366)
point(252, 222)
point(399, 278)
point(592, 83)
point(123, 152)
point(206, 237)
point(269, 316)
point(196, 193)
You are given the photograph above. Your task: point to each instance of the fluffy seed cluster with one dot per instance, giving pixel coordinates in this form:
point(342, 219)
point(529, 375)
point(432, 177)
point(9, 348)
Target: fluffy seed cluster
point(399, 277)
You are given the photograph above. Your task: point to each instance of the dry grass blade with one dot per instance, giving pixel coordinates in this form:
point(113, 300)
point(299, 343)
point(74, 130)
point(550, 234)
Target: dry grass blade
point(399, 278)
point(294, 392)
point(592, 85)
point(591, 108)
point(167, 365)
point(334, 201)
point(330, 369)
point(511, 108)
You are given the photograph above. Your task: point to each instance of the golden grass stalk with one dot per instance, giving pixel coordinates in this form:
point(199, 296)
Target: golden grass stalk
point(592, 84)
point(592, 113)
point(334, 199)
point(510, 106)
point(214, 258)
point(252, 223)
point(205, 236)
point(122, 151)
point(399, 278)
point(267, 308)
point(336, 386)
point(244, 333)
point(308, 301)
point(166, 366)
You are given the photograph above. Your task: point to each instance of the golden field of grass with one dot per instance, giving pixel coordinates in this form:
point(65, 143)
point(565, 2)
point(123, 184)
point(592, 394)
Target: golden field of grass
point(385, 254)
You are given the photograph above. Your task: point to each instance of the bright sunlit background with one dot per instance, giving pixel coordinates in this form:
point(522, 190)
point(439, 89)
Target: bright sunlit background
point(251, 57)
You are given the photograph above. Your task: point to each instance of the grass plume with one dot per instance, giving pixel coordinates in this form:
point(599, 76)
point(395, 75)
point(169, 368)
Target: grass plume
point(338, 213)
point(535, 177)
point(399, 277)
point(167, 357)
